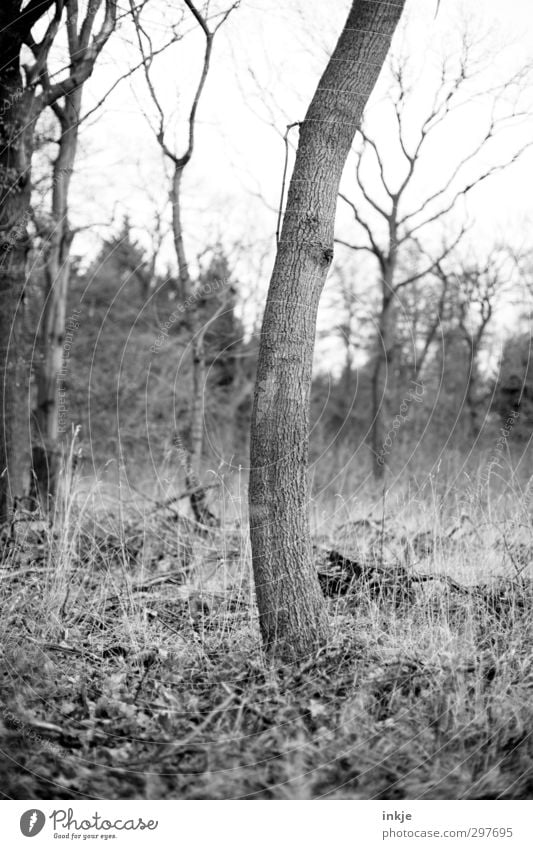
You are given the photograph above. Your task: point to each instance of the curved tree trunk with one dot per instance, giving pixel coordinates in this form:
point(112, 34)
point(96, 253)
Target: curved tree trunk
point(291, 607)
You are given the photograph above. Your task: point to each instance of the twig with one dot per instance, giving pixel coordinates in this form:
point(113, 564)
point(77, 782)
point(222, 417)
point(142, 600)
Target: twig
point(65, 649)
point(421, 578)
point(284, 178)
point(159, 505)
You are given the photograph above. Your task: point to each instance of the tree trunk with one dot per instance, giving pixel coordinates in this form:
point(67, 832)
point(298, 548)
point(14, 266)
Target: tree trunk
point(201, 511)
point(46, 452)
point(198, 498)
point(19, 110)
point(383, 362)
point(14, 388)
point(471, 387)
point(17, 120)
point(291, 607)
point(184, 276)
point(377, 433)
point(197, 407)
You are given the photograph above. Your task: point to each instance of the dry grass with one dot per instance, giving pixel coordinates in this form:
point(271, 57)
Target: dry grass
point(132, 667)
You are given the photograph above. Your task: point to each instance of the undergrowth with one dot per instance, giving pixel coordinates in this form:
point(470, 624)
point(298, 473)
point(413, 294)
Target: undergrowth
point(132, 666)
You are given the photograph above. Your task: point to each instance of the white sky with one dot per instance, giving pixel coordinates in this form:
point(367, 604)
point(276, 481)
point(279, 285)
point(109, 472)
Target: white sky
point(266, 63)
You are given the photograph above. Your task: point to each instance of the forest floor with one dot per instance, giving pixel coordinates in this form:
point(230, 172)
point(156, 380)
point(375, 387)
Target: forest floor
point(132, 666)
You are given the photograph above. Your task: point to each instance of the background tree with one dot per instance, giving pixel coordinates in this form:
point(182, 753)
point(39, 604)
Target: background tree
point(26, 90)
point(475, 290)
point(395, 216)
point(58, 236)
point(513, 391)
point(189, 290)
point(291, 608)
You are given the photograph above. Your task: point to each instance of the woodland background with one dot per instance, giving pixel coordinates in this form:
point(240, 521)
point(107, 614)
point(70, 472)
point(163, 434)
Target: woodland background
point(131, 657)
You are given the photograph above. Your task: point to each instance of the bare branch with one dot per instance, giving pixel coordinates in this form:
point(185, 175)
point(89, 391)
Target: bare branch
point(72, 28)
point(179, 161)
point(353, 247)
point(82, 66)
point(223, 306)
point(146, 61)
point(88, 23)
point(209, 36)
point(434, 264)
point(123, 77)
point(372, 144)
point(203, 77)
point(367, 196)
point(29, 16)
point(199, 18)
point(379, 254)
point(42, 49)
point(441, 213)
point(284, 177)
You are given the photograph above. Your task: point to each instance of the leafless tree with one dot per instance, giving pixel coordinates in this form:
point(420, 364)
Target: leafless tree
point(475, 289)
point(27, 88)
point(188, 288)
point(291, 608)
point(58, 237)
point(394, 216)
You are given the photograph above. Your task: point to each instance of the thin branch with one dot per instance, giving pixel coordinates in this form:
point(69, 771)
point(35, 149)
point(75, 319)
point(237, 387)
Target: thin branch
point(434, 264)
point(366, 227)
point(218, 312)
point(209, 37)
point(199, 18)
point(372, 144)
point(146, 61)
point(83, 66)
point(120, 79)
point(495, 169)
point(203, 77)
point(353, 247)
point(285, 167)
point(42, 49)
point(369, 199)
point(72, 28)
point(88, 22)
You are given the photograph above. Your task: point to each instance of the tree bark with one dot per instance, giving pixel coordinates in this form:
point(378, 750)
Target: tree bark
point(17, 121)
point(291, 607)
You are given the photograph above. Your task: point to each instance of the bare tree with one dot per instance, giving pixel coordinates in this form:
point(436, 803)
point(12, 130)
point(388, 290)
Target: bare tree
point(26, 90)
point(420, 311)
point(58, 238)
point(431, 313)
point(475, 289)
point(291, 608)
point(394, 216)
point(188, 288)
